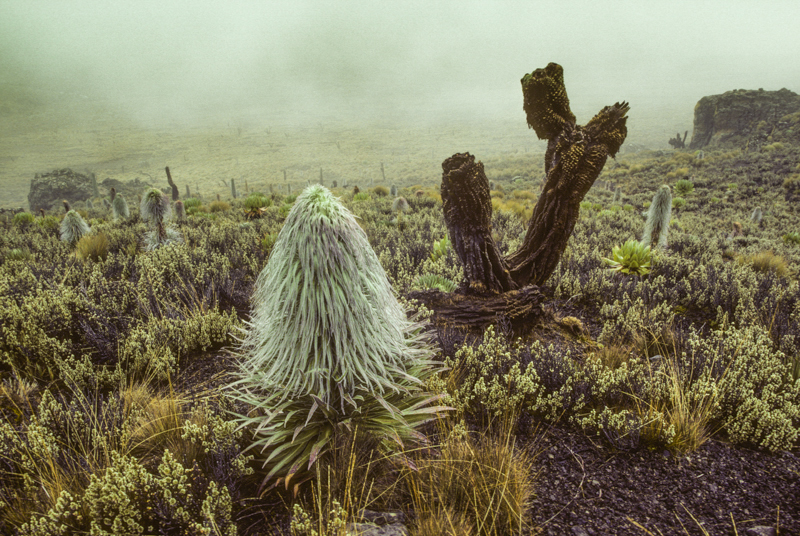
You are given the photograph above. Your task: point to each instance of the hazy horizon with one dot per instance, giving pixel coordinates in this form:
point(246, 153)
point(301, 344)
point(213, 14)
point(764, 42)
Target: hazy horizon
point(194, 63)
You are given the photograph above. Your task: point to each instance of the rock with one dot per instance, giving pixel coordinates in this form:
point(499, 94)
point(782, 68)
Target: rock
point(49, 189)
point(383, 518)
point(369, 529)
point(129, 189)
point(736, 118)
point(577, 530)
point(7, 214)
point(760, 531)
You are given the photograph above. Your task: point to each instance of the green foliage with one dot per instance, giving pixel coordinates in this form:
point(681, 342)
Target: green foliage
point(678, 202)
point(684, 187)
point(256, 201)
point(792, 238)
point(361, 196)
point(18, 254)
point(23, 218)
point(156, 211)
point(438, 282)
point(73, 227)
point(268, 241)
point(49, 222)
point(305, 385)
point(192, 202)
point(440, 249)
point(632, 257)
point(380, 191)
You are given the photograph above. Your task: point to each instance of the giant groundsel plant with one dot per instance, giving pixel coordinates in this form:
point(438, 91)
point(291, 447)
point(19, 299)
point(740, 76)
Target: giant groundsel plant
point(156, 211)
point(328, 348)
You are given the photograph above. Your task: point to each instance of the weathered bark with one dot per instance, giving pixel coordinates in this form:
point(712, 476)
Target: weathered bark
point(476, 311)
point(468, 214)
point(574, 158)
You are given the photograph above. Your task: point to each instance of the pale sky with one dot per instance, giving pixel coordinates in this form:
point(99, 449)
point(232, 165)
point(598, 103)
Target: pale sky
point(177, 61)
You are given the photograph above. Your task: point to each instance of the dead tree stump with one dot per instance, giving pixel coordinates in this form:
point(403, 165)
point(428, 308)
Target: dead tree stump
point(574, 159)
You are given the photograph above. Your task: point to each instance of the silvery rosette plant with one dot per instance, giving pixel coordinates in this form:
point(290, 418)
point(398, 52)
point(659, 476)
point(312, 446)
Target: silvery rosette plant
point(657, 226)
point(73, 227)
point(328, 348)
point(156, 211)
point(119, 208)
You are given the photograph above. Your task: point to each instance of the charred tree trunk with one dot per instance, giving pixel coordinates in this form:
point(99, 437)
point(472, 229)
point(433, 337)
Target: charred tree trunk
point(175, 193)
point(575, 157)
point(468, 213)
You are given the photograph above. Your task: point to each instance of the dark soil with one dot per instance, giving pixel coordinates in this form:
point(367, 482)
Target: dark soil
point(585, 487)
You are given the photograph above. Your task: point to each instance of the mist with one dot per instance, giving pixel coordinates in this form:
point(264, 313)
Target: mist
point(251, 63)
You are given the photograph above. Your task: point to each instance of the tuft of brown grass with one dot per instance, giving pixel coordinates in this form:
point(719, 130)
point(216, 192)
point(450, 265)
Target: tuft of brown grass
point(445, 522)
point(765, 262)
point(219, 206)
point(482, 485)
point(93, 247)
point(612, 356)
point(684, 407)
point(159, 425)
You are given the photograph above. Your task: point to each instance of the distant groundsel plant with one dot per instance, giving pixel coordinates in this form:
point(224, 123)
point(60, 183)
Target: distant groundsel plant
point(657, 226)
point(73, 227)
point(119, 208)
point(329, 347)
point(156, 211)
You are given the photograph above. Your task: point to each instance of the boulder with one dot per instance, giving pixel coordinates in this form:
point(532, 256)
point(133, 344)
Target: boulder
point(49, 189)
point(738, 118)
point(129, 189)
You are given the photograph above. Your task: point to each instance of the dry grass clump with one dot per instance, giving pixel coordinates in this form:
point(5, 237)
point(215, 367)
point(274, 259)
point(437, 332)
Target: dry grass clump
point(766, 262)
point(612, 356)
point(219, 206)
point(477, 485)
point(92, 247)
point(445, 522)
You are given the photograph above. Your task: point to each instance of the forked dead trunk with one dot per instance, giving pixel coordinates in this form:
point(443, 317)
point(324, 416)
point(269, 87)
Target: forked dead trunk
point(574, 159)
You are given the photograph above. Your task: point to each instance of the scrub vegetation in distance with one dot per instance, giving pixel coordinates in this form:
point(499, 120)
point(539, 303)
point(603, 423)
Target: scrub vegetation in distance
point(115, 359)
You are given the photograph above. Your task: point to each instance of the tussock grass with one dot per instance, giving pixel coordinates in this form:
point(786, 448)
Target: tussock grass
point(481, 483)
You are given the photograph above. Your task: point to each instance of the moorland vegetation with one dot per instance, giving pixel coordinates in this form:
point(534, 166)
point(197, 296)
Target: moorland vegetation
point(118, 347)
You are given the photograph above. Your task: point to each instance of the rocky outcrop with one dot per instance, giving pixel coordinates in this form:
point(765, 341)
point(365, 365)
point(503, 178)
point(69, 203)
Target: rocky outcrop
point(737, 118)
point(129, 189)
point(49, 189)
